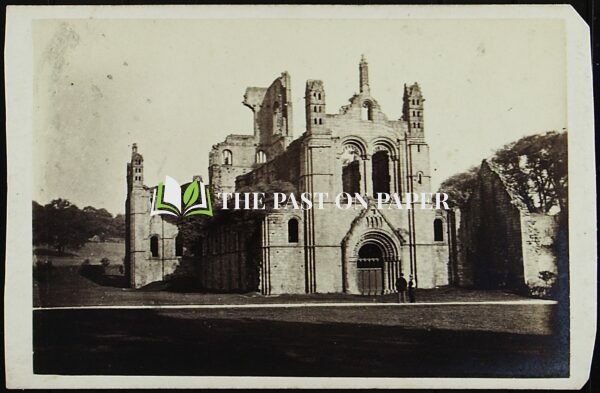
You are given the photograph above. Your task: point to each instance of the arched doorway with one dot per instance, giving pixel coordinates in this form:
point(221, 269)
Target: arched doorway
point(369, 268)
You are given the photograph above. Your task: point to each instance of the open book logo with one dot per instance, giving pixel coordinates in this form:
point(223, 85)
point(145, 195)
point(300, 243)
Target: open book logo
point(168, 198)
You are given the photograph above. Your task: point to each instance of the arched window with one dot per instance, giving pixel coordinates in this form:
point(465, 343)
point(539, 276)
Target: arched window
point(381, 172)
point(320, 121)
point(318, 96)
point(293, 231)
point(261, 157)
point(438, 230)
point(154, 245)
point(227, 157)
point(316, 110)
point(366, 112)
point(350, 170)
point(179, 245)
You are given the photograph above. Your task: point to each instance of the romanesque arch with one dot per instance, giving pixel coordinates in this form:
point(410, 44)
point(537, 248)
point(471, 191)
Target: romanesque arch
point(352, 154)
point(384, 157)
point(371, 250)
point(376, 259)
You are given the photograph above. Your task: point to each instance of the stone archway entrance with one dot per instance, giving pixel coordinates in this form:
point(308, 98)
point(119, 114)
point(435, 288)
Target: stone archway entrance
point(369, 269)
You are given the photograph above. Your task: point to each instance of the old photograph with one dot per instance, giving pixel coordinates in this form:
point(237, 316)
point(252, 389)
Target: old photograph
point(215, 193)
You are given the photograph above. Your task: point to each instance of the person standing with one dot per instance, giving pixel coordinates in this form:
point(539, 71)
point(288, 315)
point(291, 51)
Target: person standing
point(411, 291)
point(401, 286)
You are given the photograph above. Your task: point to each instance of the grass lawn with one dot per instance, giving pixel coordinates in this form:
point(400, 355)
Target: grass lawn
point(425, 340)
point(65, 286)
point(94, 251)
point(436, 341)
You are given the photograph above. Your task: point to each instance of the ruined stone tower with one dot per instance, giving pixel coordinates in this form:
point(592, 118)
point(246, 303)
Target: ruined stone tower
point(150, 249)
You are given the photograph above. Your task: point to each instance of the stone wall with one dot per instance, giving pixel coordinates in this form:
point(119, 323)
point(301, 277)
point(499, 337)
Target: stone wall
point(257, 254)
point(283, 168)
point(539, 234)
point(229, 257)
point(498, 242)
point(243, 155)
point(141, 267)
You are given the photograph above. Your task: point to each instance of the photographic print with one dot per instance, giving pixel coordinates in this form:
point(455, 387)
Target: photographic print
point(385, 196)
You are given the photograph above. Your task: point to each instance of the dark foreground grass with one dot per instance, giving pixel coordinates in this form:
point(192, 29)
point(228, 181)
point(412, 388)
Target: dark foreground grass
point(424, 341)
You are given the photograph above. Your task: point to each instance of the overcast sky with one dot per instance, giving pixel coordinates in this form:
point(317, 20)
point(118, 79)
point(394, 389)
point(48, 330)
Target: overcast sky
point(175, 87)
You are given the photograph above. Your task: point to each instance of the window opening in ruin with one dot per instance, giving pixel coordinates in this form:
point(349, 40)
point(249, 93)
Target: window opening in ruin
point(438, 230)
point(227, 157)
point(293, 230)
point(179, 245)
point(366, 111)
point(154, 245)
point(381, 172)
point(261, 157)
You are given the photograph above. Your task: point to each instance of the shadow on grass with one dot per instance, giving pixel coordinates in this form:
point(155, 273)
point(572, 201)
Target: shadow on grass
point(150, 342)
point(190, 285)
point(98, 275)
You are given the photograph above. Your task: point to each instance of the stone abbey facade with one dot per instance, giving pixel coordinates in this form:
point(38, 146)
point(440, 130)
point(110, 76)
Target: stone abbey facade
point(493, 243)
point(329, 250)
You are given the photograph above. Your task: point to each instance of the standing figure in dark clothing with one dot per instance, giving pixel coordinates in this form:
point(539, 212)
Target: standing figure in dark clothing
point(411, 291)
point(401, 286)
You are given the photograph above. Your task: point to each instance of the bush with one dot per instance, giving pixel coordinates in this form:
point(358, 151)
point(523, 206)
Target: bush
point(549, 289)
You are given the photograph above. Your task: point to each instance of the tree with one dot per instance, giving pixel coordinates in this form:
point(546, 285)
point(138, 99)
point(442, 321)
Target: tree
point(536, 168)
point(60, 224)
point(39, 228)
point(459, 187)
point(118, 226)
point(65, 225)
point(98, 222)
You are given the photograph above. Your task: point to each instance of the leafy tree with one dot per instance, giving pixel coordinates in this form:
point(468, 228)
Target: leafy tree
point(98, 222)
point(118, 226)
point(459, 187)
point(64, 225)
point(39, 228)
point(61, 225)
point(536, 168)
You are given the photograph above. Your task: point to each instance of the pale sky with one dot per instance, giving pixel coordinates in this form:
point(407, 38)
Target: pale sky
point(175, 87)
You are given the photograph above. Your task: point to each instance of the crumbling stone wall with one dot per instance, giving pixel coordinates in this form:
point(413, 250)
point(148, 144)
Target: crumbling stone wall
point(498, 242)
point(539, 255)
point(222, 175)
point(284, 168)
point(229, 256)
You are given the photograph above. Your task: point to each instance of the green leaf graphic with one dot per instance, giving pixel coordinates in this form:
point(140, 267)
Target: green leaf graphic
point(190, 196)
point(207, 212)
